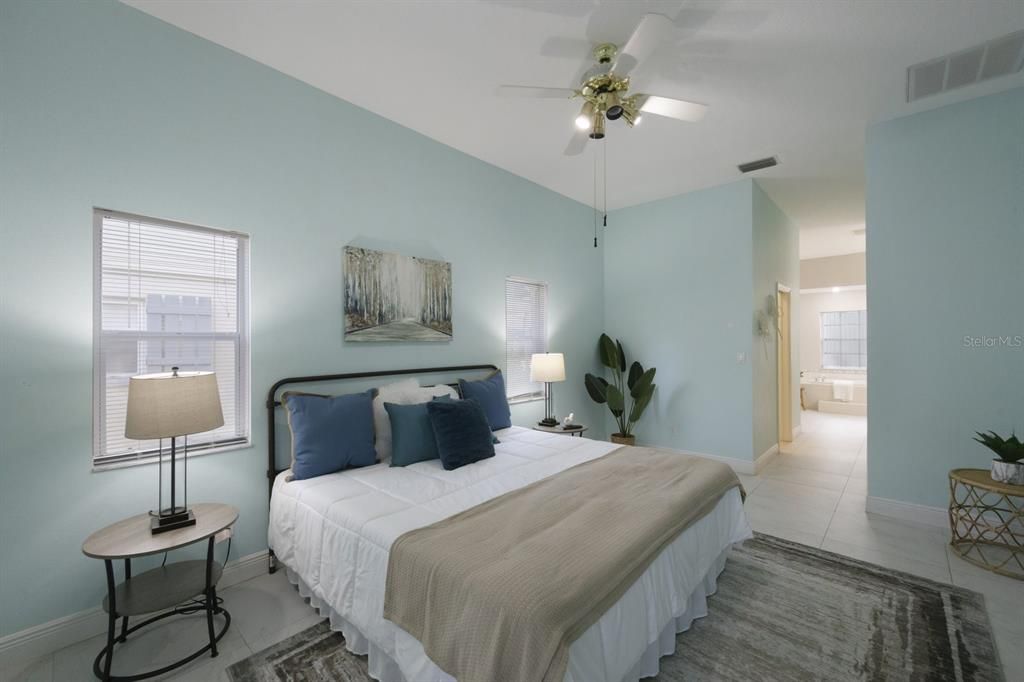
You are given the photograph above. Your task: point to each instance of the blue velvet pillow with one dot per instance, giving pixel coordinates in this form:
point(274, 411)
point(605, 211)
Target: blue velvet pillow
point(490, 393)
point(330, 433)
point(412, 436)
point(462, 432)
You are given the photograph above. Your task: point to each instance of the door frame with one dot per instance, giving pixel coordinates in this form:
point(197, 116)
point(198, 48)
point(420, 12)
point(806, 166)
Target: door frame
point(783, 364)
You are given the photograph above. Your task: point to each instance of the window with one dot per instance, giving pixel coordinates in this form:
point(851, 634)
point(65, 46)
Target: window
point(167, 295)
point(525, 334)
point(844, 339)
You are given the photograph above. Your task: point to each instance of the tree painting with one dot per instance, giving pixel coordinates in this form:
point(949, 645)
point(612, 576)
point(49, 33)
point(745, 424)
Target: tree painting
point(390, 297)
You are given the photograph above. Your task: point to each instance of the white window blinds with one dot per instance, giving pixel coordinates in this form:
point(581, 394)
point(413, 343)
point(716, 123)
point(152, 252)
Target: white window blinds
point(168, 295)
point(844, 339)
point(525, 334)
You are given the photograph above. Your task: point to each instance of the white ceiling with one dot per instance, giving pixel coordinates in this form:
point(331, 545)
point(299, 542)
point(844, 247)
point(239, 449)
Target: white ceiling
point(799, 79)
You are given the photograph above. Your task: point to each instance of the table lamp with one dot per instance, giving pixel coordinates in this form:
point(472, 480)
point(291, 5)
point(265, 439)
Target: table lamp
point(172, 405)
point(547, 367)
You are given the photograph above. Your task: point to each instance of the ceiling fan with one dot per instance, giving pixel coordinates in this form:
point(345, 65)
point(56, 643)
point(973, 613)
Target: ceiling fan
point(605, 87)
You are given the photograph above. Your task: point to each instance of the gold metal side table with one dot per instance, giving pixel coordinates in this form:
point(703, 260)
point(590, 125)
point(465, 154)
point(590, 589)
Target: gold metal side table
point(986, 519)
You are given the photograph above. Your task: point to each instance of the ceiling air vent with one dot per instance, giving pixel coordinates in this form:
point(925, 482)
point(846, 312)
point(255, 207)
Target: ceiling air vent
point(999, 57)
point(752, 166)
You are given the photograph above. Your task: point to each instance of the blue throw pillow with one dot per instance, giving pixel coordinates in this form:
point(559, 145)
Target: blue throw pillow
point(412, 436)
point(462, 432)
point(330, 433)
point(490, 393)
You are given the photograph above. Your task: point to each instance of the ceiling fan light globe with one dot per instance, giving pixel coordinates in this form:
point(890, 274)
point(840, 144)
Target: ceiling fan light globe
point(583, 122)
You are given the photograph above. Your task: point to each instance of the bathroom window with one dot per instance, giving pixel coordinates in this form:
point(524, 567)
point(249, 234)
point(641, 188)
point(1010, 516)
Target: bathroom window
point(844, 339)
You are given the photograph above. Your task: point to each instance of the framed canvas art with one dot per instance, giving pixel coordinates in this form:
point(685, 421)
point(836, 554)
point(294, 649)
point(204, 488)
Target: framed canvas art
point(391, 297)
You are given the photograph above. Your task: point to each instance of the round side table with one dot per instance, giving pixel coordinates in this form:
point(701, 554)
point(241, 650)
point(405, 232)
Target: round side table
point(986, 519)
point(574, 431)
point(165, 587)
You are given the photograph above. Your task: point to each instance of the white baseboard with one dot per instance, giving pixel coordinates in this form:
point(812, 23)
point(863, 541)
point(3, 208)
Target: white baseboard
point(908, 511)
point(740, 466)
point(35, 642)
point(765, 458)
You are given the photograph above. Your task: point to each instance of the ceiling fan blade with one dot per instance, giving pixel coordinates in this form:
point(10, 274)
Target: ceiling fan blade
point(534, 92)
point(679, 109)
point(577, 143)
point(652, 31)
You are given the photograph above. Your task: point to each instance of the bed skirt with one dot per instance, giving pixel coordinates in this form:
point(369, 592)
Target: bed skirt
point(382, 664)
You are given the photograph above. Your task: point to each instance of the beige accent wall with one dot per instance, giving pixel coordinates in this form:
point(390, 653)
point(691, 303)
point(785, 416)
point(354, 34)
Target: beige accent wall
point(833, 271)
point(811, 307)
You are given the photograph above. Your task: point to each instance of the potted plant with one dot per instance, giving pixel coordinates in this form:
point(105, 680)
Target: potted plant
point(1007, 466)
point(627, 396)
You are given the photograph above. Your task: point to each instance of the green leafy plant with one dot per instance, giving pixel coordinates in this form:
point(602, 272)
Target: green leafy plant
point(1007, 449)
point(627, 395)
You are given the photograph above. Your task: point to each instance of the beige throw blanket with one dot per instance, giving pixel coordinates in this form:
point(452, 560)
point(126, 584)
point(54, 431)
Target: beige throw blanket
point(500, 591)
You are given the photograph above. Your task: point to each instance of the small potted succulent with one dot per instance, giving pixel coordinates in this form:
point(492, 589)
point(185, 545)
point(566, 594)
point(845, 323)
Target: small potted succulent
point(627, 395)
point(1007, 467)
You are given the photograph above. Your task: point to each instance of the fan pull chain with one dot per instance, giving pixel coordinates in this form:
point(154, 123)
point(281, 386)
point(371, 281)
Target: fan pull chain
point(595, 197)
point(604, 147)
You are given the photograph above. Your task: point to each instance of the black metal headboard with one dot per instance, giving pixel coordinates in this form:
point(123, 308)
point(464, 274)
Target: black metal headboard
point(273, 402)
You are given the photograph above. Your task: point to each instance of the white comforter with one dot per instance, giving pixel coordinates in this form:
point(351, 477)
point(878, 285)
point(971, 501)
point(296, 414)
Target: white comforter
point(334, 532)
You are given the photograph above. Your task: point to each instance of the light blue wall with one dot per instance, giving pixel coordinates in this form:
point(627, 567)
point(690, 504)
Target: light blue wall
point(678, 282)
point(776, 261)
point(104, 106)
point(945, 260)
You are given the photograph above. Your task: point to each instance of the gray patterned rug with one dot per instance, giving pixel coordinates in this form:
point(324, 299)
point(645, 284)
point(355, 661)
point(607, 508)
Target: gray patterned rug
point(783, 611)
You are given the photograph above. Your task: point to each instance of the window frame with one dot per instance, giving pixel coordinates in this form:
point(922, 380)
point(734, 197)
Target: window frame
point(822, 340)
point(102, 461)
point(545, 289)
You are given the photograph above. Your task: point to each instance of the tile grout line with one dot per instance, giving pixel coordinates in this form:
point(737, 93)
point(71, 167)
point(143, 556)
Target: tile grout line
point(836, 508)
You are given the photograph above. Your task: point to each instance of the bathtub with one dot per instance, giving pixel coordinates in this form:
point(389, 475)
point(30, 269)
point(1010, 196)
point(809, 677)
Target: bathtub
point(816, 393)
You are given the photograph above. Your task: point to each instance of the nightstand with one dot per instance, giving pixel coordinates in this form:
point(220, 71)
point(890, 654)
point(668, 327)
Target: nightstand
point(171, 588)
point(575, 431)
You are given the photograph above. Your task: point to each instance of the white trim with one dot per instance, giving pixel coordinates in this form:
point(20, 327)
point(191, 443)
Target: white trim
point(740, 466)
point(26, 645)
point(908, 511)
point(765, 458)
point(154, 458)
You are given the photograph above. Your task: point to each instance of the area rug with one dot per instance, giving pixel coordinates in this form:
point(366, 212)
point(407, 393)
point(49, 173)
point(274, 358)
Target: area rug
point(783, 611)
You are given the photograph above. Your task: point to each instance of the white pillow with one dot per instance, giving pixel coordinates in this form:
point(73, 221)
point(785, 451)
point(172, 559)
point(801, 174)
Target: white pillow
point(405, 392)
point(428, 393)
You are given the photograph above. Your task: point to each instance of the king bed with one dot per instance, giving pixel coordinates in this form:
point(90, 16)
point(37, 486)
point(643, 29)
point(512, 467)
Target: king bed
point(335, 535)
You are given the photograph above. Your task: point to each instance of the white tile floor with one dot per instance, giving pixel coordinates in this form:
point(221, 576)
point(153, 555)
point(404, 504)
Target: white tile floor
point(813, 493)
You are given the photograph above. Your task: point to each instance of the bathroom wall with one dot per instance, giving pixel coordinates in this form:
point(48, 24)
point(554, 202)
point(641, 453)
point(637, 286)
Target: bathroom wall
point(833, 271)
point(811, 307)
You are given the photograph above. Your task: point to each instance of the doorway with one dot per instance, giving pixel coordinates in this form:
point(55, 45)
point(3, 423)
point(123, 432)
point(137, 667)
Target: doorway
point(783, 364)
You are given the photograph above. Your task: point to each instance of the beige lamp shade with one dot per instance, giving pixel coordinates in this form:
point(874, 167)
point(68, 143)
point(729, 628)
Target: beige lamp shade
point(172, 404)
point(547, 367)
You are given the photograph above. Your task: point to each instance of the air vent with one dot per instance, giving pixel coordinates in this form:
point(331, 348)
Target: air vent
point(999, 57)
point(752, 166)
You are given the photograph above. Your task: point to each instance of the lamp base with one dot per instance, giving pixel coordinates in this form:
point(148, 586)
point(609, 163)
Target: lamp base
point(548, 421)
point(181, 518)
